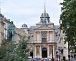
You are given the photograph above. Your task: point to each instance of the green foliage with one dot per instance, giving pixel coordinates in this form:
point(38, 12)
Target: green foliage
point(2, 51)
point(69, 16)
point(12, 51)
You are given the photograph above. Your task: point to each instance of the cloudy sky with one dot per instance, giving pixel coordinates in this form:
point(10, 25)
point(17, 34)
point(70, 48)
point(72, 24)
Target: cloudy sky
point(29, 11)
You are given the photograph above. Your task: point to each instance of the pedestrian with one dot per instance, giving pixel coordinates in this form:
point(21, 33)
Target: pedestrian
point(52, 59)
point(56, 59)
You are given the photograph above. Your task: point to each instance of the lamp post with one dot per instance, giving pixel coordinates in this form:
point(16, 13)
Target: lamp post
point(68, 25)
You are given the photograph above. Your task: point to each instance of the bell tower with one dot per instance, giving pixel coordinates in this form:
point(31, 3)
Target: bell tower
point(44, 19)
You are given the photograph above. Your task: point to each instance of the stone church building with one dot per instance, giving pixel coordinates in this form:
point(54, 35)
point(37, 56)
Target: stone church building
point(42, 38)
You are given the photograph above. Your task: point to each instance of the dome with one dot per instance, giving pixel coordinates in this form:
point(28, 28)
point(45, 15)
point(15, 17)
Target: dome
point(45, 19)
point(44, 15)
point(24, 26)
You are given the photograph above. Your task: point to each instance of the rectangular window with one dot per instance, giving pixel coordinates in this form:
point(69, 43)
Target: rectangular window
point(44, 36)
point(44, 39)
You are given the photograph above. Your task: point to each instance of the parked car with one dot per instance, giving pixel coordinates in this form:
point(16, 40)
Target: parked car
point(29, 58)
point(50, 59)
point(45, 59)
point(37, 59)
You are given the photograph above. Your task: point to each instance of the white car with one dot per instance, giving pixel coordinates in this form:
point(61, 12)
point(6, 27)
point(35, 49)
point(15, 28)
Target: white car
point(29, 58)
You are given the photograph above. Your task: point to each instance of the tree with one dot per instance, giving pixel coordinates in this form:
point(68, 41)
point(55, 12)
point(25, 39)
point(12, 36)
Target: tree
point(2, 51)
point(12, 51)
point(69, 16)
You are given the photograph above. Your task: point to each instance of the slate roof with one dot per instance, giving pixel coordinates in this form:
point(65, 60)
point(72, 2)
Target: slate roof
point(32, 28)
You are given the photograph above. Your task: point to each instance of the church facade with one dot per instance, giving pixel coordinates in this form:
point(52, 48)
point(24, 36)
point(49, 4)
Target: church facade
point(42, 38)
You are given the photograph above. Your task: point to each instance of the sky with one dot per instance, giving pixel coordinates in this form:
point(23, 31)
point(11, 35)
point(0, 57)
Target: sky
point(29, 11)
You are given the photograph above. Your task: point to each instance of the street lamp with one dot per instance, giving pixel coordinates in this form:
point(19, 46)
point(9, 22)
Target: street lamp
point(68, 25)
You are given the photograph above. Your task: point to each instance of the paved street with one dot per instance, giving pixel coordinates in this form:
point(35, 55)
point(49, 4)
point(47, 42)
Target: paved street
point(37, 59)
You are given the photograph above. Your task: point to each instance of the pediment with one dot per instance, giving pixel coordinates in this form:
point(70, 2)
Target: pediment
point(44, 28)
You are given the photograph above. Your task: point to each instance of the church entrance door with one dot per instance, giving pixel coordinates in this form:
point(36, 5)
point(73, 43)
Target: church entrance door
point(44, 52)
point(31, 54)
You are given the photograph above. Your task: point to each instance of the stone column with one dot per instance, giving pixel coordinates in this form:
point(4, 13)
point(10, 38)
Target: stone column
point(48, 51)
point(48, 36)
point(53, 37)
point(53, 51)
point(40, 36)
point(35, 52)
point(40, 52)
point(35, 37)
